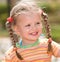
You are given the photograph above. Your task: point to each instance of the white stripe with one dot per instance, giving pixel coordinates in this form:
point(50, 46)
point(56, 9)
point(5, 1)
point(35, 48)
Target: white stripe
point(35, 53)
point(41, 56)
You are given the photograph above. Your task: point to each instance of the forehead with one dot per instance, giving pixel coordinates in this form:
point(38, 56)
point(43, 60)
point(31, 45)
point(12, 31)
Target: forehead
point(28, 16)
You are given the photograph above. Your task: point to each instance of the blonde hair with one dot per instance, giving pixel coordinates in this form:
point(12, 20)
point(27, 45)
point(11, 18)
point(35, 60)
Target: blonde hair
point(23, 6)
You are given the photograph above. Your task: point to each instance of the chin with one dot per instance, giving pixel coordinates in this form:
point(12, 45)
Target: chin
point(33, 39)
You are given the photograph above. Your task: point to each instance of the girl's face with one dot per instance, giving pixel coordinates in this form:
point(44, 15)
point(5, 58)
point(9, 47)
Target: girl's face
point(29, 26)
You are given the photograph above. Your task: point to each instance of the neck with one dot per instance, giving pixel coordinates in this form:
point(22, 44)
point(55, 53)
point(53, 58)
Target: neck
point(27, 42)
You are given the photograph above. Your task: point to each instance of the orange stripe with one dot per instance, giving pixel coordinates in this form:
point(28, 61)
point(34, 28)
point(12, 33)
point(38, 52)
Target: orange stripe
point(34, 50)
point(45, 60)
point(41, 60)
point(37, 56)
point(55, 50)
point(32, 54)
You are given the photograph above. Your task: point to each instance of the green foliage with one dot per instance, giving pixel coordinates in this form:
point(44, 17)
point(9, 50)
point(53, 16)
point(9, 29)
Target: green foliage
point(3, 33)
point(3, 15)
point(0, 60)
point(46, 7)
point(3, 20)
point(55, 31)
point(3, 8)
point(49, 7)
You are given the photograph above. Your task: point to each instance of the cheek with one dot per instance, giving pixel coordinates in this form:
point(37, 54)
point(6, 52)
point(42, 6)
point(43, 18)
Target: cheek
point(23, 32)
point(26, 30)
point(40, 29)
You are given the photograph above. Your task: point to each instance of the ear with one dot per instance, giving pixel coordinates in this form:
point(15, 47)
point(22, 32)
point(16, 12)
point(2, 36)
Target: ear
point(16, 29)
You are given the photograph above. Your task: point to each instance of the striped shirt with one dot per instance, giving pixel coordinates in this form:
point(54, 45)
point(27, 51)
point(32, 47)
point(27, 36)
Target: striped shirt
point(37, 53)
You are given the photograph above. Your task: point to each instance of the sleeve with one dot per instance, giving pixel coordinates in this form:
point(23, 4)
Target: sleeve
point(56, 49)
point(10, 56)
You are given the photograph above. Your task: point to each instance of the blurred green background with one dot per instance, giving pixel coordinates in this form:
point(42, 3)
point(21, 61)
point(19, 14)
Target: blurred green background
point(52, 8)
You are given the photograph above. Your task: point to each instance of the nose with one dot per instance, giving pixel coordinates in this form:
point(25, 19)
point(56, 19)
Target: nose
point(34, 28)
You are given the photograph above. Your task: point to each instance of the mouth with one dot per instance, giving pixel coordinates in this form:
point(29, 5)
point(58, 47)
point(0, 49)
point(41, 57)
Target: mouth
point(34, 33)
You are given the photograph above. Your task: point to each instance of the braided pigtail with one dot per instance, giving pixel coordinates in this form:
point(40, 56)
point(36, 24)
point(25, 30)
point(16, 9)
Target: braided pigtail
point(45, 17)
point(13, 37)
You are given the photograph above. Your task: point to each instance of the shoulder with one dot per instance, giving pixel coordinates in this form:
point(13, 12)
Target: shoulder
point(43, 43)
point(55, 44)
point(10, 53)
point(43, 40)
point(9, 50)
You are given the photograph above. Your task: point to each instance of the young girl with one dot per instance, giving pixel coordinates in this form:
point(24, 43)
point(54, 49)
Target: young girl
point(25, 21)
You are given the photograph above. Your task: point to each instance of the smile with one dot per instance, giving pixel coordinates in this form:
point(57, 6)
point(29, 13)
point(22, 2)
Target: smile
point(34, 34)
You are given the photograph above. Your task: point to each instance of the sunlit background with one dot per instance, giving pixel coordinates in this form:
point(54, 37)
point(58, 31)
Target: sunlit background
point(51, 7)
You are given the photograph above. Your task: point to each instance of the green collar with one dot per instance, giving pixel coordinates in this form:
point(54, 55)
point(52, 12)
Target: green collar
point(27, 46)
